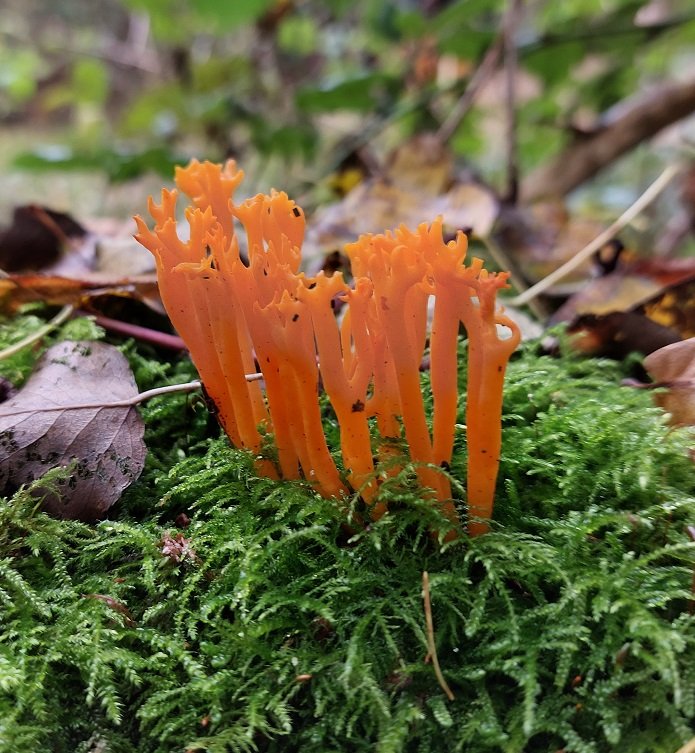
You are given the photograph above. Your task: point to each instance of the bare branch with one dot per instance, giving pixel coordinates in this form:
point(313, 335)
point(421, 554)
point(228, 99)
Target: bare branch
point(511, 60)
point(144, 334)
point(585, 157)
point(480, 77)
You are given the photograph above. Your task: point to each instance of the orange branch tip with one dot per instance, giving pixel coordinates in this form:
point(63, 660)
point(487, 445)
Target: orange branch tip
point(233, 312)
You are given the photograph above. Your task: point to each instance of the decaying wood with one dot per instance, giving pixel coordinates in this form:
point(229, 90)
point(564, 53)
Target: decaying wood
point(589, 153)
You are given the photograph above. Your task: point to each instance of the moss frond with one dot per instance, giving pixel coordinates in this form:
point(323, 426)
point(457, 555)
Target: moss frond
point(568, 626)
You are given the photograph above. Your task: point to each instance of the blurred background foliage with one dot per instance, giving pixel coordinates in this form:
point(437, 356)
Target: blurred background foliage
point(295, 88)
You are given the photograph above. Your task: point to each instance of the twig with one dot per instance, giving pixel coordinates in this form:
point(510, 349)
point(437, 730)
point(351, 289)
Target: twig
point(689, 747)
point(625, 219)
point(430, 636)
point(511, 22)
point(110, 51)
point(480, 76)
point(144, 334)
point(57, 320)
point(127, 403)
point(616, 133)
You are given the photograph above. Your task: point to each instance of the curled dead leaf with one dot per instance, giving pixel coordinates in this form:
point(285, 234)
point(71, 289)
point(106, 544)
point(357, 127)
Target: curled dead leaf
point(16, 290)
point(43, 427)
point(673, 367)
point(40, 238)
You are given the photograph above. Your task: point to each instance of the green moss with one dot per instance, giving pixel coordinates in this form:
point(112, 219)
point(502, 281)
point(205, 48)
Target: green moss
point(29, 320)
point(281, 629)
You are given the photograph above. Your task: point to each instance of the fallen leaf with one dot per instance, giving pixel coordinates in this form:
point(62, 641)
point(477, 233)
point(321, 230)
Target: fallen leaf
point(674, 308)
point(16, 290)
point(417, 185)
point(44, 427)
point(376, 204)
point(421, 166)
point(673, 367)
point(617, 334)
point(543, 237)
point(653, 284)
point(38, 237)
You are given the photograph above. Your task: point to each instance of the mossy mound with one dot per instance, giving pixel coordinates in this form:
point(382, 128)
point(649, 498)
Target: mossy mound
point(266, 624)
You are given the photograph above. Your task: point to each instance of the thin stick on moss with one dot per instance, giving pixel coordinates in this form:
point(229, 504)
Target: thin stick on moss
point(432, 649)
point(136, 400)
point(40, 333)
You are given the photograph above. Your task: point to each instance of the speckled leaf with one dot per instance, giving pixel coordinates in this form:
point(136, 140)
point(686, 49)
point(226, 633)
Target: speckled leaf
point(103, 445)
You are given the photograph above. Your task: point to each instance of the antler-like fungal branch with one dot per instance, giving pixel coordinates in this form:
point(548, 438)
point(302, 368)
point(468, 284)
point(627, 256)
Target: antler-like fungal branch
point(234, 312)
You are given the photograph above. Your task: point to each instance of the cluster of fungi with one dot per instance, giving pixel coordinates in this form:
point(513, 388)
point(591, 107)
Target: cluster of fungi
point(242, 313)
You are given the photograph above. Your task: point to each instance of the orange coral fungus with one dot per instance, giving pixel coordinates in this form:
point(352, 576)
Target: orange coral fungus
point(235, 312)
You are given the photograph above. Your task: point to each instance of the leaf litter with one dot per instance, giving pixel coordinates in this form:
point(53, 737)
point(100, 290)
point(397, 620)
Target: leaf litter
point(57, 419)
point(673, 367)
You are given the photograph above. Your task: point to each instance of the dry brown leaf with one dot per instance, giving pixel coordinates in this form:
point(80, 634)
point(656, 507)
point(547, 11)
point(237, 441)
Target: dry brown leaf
point(41, 238)
point(417, 184)
point(617, 334)
point(375, 205)
point(40, 429)
point(634, 284)
point(673, 367)
point(543, 237)
point(16, 290)
point(422, 166)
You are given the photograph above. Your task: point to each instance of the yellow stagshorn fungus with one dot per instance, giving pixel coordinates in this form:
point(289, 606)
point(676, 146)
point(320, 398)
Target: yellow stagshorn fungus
point(234, 312)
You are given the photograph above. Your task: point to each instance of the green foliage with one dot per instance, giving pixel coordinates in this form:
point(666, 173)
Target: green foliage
point(257, 78)
point(275, 626)
point(17, 366)
point(360, 93)
point(119, 163)
point(20, 71)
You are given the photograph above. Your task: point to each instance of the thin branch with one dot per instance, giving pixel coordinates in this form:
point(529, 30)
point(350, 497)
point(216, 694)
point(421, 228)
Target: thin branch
point(127, 403)
point(39, 334)
point(689, 747)
point(480, 77)
point(511, 59)
point(592, 33)
point(144, 334)
point(43, 218)
point(430, 636)
point(640, 118)
point(504, 261)
point(625, 219)
point(110, 51)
